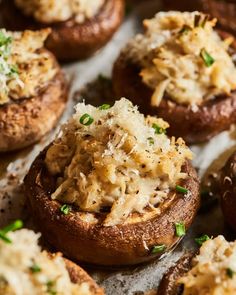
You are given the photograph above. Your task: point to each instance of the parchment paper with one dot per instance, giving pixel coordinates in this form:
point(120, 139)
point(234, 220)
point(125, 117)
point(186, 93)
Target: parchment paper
point(209, 158)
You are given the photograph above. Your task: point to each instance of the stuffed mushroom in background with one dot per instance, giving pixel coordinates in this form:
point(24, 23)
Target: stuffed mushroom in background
point(113, 186)
point(183, 71)
point(210, 272)
point(223, 10)
point(228, 191)
point(26, 269)
point(33, 89)
point(79, 27)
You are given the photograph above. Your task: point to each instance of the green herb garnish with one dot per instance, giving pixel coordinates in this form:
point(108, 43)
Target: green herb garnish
point(86, 120)
point(65, 209)
point(202, 239)
point(151, 140)
point(35, 268)
point(158, 129)
point(50, 286)
point(207, 58)
point(11, 227)
point(180, 229)
point(158, 249)
point(185, 29)
point(230, 273)
point(181, 189)
point(104, 107)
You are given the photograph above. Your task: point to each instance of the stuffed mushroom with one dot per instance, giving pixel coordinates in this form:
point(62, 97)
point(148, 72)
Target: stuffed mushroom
point(182, 70)
point(26, 269)
point(211, 271)
point(228, 191)
point(33, 89)
point(79, 27)
point(113, 186)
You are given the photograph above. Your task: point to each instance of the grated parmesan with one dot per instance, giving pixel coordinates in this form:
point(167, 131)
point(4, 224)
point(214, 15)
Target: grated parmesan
point(34, 67)
point(17, 260)
point(213, 271)
point(50, 11)
point(117, 161)
point(170, 56)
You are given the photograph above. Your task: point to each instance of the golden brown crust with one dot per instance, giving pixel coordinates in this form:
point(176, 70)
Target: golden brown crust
point(211, 118)
point(228, 191)
point(78, 275)
point(168, 284)
point(116, 245)
point(69, 40)
point(24, 122)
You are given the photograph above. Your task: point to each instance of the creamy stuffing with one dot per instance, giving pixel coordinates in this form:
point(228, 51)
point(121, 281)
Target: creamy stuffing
point(26, 270)
point(24, 66)
point(50, 11)
point(115, 158)
point(213, 271)
point(183, 57)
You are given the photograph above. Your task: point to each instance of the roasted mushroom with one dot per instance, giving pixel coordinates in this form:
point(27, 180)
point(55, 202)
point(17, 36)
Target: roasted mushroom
point(79, 28)
point(114, 187)
point(228, 191)
point(210, 272)
point(26, 269)
point(33, 90)
point(182, 71)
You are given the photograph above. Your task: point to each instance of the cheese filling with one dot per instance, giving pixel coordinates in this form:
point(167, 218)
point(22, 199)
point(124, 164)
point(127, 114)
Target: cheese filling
point(213, 271)
point(24, 66)
point(26, 270)
point(50, 11)
point(115, 158)
point(182, 57)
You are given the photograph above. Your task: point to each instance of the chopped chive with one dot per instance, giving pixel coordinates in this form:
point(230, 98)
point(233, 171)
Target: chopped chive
point(185, 29)
point(158, 248)
point(5, 238)
point(11, 227)
point(181, 189)
point(207, 58)
point(50, 285)
point(230, 273)
point(180, 229)
point(65, 209)
point(202, 239)
point(197, 19)
point(86, 120)
point(104, 107)
point(158, 129)
point(18, 224)
point(35, 268)
point(206, 18)
point(4, 40)
point(151, 140)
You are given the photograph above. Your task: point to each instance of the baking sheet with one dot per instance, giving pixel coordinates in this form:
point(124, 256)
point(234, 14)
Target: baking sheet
point(209, 158)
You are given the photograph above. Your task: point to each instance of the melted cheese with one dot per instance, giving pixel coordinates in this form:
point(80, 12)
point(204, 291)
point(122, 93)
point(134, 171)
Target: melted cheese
point(214, 269)
point(17, 277)
point(170, 55)
point(50, 11)
point(34, 67)
point(117, 161)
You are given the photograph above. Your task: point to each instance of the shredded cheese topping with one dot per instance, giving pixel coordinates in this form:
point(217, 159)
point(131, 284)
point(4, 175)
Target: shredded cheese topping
point(25, 270)
point(24, 66)
point(50, 11)
point(214, 269)
point(182, 57)
point(116, 160)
